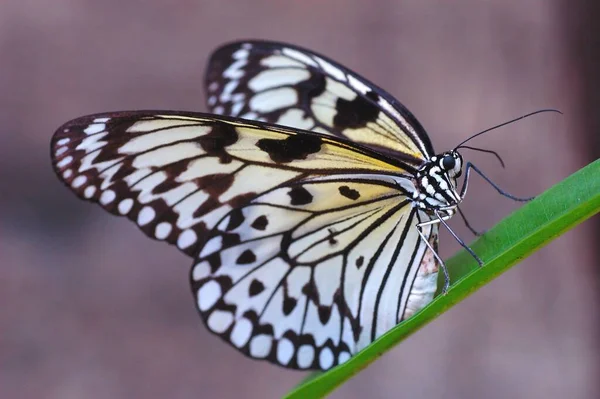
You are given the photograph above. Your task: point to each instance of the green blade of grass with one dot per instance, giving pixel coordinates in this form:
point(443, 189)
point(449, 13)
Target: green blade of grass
point(534, 225)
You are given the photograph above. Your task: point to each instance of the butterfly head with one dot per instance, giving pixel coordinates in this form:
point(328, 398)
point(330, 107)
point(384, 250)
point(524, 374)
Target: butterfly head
point(451, 162)
point(436, 182)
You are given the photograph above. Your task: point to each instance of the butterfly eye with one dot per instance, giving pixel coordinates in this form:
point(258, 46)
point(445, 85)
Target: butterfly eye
point(448, 162)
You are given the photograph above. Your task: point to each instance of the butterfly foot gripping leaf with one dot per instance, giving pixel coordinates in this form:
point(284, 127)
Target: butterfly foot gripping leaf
point(310, 207)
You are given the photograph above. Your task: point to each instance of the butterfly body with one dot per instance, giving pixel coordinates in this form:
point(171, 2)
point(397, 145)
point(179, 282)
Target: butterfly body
point(436, 182)
point(310, 205)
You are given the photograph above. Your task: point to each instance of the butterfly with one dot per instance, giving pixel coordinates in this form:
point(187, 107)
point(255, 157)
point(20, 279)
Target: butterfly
point(310, 200)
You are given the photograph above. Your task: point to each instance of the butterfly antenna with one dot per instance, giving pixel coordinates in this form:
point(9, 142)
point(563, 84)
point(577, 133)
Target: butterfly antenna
point(484, 150)
point(507, 123)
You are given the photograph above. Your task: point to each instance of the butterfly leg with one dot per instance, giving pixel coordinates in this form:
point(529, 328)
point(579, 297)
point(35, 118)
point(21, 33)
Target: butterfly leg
point(464, 218)
point(433, 251)
point(463, 191)
point(457, 238)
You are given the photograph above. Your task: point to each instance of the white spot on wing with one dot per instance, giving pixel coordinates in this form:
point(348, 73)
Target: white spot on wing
point(146, 215)
point(156, 124)
point(107, 175)
point(94, 128)
point(249, 115)
point(305, 357)
point(242, 331)
point(237, 97)
point(235, 71)
point(358, 85)
point(125, 206)
point(297, 55)
point(294, 117)
point(331, 70)
point(79, 181)
point(260, 346)
point(186, 239)
point(240, 54)
point(272, 100)
point(285, 351)
point(65, 161)
point(208, 295)
point(163, 137)
point(136, 176)
point(200, 271)
point(89, 191)
point(186, 210)
point(277, 77)
point(213, 245)
point(167, 155)
point(326, 358)
point(63, 141)
point(61, 150)
point(228, 90)
point(163, 229)
point(277, 61)
point(334, 89)
point(92, 143)
point(101, 120)
point(198, 167)
point(219, 321)
point(107, 197)
point(343, 357)
point(236, 108)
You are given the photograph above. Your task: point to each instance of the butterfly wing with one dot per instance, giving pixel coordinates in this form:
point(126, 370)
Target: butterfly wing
point(306, 248)
point(175, 175)
point(308, 273)
point(291, 86)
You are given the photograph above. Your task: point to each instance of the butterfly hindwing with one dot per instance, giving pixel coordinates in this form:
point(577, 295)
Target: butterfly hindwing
point(309, 273)
point(291, 86)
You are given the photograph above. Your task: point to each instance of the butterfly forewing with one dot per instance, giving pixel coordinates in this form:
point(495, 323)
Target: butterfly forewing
point(291, 86)
point(176, 175)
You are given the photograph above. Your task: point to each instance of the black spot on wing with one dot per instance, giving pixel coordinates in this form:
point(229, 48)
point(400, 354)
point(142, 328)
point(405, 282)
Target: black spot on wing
point(221, 136)
point(291, 148)
point(356, 113)
point(349, 193)
point(289, 304)
point(324, 313)
point(359, 261)
point(215, 184)
point(311, 88)
point(307, 90)
point(300, 196)
point(236, 218)
point(311, 292)
point(256, 287)
point(331, 238)
point(246, 257)
point(345, 312)
point(260, 223)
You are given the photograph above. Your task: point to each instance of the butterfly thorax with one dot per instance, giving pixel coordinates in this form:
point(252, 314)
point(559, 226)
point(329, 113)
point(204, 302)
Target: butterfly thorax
point(436, 183)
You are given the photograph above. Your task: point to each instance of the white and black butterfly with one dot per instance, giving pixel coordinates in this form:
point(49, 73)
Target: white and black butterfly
point(309, 241)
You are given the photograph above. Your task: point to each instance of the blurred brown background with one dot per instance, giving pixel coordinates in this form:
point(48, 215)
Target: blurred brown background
point(90, 308)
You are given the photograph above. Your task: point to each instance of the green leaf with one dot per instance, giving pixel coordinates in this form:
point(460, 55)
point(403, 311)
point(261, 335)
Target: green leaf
point(557, 210)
